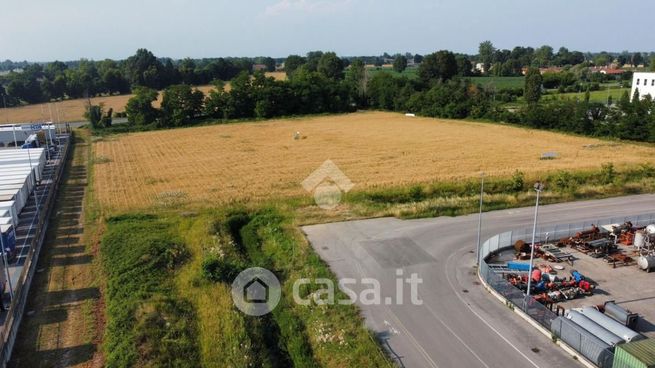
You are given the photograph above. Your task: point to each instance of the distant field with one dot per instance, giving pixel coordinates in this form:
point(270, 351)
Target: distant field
point(499, 82)
point(260, 160)
point(73, 110)
point(596, 96)
point(410, 72)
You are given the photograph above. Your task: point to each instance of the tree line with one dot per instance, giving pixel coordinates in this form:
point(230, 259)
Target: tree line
point(85, 78)
point(321, 83)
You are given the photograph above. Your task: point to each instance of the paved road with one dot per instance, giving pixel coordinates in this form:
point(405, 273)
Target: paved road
point(459, 323)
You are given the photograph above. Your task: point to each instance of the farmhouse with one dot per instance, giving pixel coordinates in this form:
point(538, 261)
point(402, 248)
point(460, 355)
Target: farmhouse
point(645, 83)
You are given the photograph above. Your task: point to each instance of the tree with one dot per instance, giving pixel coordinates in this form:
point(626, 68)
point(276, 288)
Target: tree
point(543, 56)
point(418, 59)
point(532, 90)
point(637, 59)
point(331, 66)
point(139, 108)
point(399, 63)
point(292, 63)
point(312, 60)
point(356, 77)
point(180, 105)
point(270, 64)
point(143, 69)
point(464, 65)
point(438, 66)
point(486, 51)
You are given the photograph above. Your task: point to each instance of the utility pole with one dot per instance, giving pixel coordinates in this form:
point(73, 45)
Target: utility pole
point(477, 249)
point(538, 186)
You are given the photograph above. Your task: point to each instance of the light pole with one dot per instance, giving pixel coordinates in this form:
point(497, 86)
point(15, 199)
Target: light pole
point(538, 186)
point(477, 249)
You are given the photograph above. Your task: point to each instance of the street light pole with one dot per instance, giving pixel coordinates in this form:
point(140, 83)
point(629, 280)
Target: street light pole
point(477, 249)
point(538, 186)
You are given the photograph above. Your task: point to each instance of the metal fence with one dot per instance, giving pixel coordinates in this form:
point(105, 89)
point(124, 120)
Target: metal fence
point(17, 307)
point(538, 312)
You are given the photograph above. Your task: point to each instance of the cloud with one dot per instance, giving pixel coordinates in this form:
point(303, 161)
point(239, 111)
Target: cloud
point(305, 7)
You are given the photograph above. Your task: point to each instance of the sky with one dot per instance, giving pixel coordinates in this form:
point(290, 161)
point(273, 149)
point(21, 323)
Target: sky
point(46, 30)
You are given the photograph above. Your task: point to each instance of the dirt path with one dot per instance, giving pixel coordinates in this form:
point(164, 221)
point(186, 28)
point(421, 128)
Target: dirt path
point(65, 297)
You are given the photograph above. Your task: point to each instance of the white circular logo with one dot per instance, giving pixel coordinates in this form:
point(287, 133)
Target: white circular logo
point(256, 291)
point(327, 195)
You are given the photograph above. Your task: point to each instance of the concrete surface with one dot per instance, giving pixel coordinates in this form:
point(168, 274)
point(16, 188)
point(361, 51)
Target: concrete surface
point(459, 324)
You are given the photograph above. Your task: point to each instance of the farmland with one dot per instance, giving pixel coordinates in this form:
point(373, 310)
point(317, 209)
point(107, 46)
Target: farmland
point(73, 110)
point(499, 82)
point(223, 164)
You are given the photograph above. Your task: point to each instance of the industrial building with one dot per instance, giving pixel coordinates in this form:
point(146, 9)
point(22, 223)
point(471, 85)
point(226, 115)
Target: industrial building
point(31, 163)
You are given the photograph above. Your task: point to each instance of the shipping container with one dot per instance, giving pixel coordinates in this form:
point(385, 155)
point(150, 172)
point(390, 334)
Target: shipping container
point(597, 330)
point(621, 314)
point(10, 207)
point(611, 325)
point(17, 197)
point(19, 191)
point(584, 342)
point(8, 238)
point(638, 354)
point(34, 166)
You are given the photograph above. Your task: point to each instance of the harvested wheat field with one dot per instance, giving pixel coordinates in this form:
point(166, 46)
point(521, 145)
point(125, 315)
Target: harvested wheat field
point(73, 110)
point(69, 110)
point(251, 161)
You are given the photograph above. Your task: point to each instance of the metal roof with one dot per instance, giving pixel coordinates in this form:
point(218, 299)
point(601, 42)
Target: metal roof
point(643, 350)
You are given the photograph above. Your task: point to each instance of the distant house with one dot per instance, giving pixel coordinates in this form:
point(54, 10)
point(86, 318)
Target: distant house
point(258, 67)
point(552, 69)
point(605, 70)
point(480, 67)
point(645, 83)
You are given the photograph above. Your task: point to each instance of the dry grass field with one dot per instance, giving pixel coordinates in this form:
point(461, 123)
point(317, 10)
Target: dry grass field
point(253, 161)
point(73, 110)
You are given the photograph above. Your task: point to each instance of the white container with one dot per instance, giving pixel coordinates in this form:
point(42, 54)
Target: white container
point(650, 229)
point(10, 206)
point(611, 325)
point(5, 220)
point(639, 239)
point(646, 263)
point(18, 197)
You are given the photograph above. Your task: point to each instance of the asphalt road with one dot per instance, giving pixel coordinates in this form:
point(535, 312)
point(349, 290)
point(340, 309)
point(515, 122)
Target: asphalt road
point(459, 323)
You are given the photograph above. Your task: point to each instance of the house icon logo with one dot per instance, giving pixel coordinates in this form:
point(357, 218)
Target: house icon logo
point(256, 291)
point(327, 183)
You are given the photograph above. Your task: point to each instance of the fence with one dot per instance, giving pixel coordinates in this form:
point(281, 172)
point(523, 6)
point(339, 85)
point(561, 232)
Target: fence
point(17, 307)
point(517, 298)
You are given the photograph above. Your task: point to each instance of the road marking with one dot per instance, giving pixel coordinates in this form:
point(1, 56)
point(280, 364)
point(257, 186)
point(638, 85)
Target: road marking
point(412, 339)
point(482, 319)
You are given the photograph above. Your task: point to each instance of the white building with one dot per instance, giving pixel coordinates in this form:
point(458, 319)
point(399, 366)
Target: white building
point(645, 83)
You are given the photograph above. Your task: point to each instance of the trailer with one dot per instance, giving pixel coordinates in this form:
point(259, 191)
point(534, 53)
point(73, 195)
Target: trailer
point(584, 342)
point(611, 325)
point(594, 328)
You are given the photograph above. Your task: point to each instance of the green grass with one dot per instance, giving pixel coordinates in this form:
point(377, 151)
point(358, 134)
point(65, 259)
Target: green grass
point(594, 96)
point(147, 324)
point(499, 82)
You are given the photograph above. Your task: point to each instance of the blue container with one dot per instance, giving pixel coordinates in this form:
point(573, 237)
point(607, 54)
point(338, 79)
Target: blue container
point(518, 266)
point(8, 237)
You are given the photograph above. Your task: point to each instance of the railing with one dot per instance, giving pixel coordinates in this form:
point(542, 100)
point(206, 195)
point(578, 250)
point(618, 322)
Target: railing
point(17, 306)
point(517, 298)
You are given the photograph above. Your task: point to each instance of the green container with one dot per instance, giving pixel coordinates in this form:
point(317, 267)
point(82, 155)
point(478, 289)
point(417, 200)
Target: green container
point(638, 354)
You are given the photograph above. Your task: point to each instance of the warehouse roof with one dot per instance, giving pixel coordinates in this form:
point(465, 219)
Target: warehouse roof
point(643, 350)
